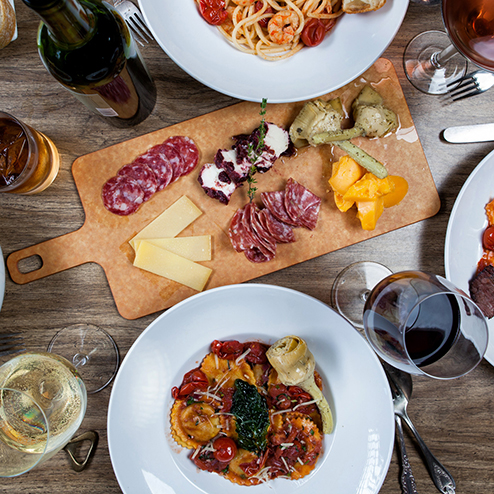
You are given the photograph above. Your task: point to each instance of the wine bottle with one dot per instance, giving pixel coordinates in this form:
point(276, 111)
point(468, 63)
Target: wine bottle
point(86, 45)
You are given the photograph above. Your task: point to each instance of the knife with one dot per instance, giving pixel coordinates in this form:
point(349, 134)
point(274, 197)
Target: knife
point(470, 133)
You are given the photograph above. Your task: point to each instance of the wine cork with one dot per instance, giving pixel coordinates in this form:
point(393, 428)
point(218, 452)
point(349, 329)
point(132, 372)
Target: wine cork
point(8, 26)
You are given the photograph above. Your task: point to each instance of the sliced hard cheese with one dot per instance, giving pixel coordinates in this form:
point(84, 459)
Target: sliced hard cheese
point(193, 248)
point(165, 263)
point(171, 221)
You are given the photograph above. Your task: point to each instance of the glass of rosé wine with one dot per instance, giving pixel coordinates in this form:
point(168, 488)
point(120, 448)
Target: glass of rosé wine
point(434, 59)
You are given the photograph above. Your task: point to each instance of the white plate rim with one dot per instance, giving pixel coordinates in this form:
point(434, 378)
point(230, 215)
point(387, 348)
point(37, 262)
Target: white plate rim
point(460, 263)
point(308, 74)
point(2, 278)
point(378, 453)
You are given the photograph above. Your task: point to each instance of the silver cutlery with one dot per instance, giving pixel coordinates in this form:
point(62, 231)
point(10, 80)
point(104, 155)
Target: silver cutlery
point(469, 133)
point(474, 83)
point(407, 479)
point(135, 21)
point(11, 343)
point(402, 383)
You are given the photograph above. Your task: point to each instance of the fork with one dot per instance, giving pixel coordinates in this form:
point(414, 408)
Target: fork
point(441, 477)
point(10, 343)
point(407, 479)
point(474, 83)
point(135, 21)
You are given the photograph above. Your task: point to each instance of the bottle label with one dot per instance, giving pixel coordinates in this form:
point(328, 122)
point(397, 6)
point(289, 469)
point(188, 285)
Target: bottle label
point(118, 98)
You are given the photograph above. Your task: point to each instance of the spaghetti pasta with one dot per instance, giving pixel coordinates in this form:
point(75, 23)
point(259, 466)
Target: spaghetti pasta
point(272, 29)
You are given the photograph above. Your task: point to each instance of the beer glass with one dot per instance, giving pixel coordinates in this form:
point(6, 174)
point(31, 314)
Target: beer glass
point(29, 161)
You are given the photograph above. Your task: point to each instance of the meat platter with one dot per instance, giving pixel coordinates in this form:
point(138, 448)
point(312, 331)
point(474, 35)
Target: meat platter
point(103, 238)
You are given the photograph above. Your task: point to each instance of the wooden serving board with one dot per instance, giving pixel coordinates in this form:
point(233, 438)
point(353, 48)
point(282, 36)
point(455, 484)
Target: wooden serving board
point(103, 238)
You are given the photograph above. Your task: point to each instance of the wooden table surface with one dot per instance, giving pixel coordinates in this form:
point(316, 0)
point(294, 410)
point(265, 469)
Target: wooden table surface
point(455, 418)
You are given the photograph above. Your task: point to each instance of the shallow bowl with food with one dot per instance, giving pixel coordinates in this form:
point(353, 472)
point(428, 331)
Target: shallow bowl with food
point(350, 48)
point(146, 459)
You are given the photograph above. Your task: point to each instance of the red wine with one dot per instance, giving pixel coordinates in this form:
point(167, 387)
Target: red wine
point(433, 330)
point(470, 25)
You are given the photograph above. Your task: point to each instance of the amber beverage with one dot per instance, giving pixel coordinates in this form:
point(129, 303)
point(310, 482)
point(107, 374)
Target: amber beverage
point(470, 25)
point(29, 161)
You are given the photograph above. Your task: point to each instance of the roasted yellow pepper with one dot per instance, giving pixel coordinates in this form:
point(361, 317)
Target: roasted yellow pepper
point(352, 185)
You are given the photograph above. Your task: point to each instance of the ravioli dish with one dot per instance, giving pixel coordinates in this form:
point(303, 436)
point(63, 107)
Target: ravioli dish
point(241, 422)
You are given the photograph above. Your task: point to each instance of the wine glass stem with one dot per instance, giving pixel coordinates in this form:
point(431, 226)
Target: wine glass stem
point(439, 58)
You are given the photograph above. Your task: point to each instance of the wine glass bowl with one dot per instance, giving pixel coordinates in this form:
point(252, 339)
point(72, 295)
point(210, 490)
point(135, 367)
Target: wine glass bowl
point(42, 404)
point(470, 25)
point(434, 59)
point(24, 432)
point(422, 324)
point(91, 350)
point(352, 286)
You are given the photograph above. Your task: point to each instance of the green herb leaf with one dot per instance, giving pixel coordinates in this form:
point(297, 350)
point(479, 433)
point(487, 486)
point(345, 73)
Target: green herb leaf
point(255, 153)
point(252, 416)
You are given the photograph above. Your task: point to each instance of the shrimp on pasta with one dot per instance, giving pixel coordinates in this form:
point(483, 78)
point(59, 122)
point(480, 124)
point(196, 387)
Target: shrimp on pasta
point(272, 29)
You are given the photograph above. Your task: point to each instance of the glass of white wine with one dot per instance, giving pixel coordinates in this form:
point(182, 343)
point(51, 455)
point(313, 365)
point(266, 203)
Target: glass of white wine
point(42, 403)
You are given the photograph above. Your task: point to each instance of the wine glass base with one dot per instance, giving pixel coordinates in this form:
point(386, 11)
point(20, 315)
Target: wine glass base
point(426, 76)
point(352, 287)
point(91, 350)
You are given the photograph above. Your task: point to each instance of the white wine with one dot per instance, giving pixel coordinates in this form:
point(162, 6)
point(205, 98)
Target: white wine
point(53, 383)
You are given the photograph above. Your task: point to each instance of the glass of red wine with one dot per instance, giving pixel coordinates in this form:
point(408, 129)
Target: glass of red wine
point(434, 59)
point(422, 324)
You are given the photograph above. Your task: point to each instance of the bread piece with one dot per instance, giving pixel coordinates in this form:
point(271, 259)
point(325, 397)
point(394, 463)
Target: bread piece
point(359, 6)
point(7, 23)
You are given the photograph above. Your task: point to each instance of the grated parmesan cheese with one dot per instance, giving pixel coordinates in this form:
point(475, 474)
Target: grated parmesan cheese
point(241, 357)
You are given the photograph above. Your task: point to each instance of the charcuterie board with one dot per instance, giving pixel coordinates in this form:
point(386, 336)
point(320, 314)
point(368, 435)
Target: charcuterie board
point(104, 236)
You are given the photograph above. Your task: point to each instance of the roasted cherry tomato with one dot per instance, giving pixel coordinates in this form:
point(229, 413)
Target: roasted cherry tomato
point(257, 354)
point(189, 388)
point(195, 375)
point(263, 22)
point(228, 350)
point(488, 238)
point(313, 32)
point(225, 449)
point(213, 11)
point(194, 380)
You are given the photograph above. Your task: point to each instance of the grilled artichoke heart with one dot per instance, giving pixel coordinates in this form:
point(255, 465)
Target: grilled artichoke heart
point(315, 117)
point(372, 119)
point(293, 361)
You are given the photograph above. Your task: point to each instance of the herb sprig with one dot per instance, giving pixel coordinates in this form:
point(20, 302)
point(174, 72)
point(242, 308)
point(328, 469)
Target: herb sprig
point(255, 153)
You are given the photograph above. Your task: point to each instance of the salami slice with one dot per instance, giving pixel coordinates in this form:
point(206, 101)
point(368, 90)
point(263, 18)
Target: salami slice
point(258, 243)
point(265, 242)
point(301, 204)
point(255, 255)
point(160, 165)
point(182, 153)
point(275, 202)
point(143, 175)
point(240, 237)
point(280, 231)
point(122, 195)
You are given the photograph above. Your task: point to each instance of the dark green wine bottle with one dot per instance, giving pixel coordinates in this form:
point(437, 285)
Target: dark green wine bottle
point(87, 47)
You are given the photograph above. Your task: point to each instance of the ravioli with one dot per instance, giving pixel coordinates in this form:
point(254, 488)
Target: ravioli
point(202, 414)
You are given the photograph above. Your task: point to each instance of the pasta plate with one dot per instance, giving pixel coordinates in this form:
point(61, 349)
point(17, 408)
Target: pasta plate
point(144, 456)
point(467, 222)
point(353, 45)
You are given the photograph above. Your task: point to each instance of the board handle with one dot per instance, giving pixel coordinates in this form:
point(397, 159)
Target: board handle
point(54, 255)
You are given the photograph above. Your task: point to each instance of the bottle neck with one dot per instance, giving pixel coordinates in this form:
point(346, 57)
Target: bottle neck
point(68, 22)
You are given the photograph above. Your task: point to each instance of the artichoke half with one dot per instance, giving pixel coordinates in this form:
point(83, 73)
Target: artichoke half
point(319, 122)
point(293, 361)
